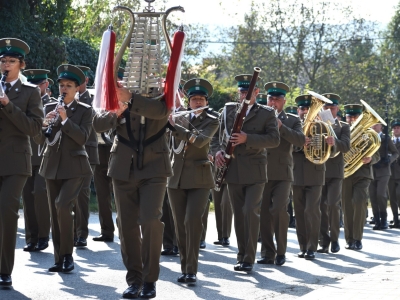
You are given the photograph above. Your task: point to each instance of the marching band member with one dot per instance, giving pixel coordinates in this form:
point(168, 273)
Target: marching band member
point(21, 117)
point(189, 187)
point(394, 183)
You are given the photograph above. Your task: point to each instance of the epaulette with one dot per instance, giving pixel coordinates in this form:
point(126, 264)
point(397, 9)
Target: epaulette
point(51, 103)
point(84, 104)
point(292, 115)
point(30, 84)
point(269, 108)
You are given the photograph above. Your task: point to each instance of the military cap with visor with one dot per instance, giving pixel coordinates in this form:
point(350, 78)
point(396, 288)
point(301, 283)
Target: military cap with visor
point(51, 82)
point(291, 109)
point(198, 87)
point(276, 88)
point(71, 72)
point(303, 100)
point(353, 109)
point(85, 70)
point(262, 99)
point(333, 97)
point(36, 76)
point(395, 122)
point(243, 81)
point(13, 47)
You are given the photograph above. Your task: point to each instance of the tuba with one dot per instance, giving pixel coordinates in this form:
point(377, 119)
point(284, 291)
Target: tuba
point(364, 141)
point(318, 151)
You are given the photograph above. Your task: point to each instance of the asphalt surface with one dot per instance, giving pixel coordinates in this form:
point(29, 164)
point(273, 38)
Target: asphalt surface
point(100, 274)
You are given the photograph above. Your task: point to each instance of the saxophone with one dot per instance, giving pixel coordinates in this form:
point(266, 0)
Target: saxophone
point(364, 141)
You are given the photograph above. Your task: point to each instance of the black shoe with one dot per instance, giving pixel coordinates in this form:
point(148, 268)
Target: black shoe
point(323, 249)
point(265, 261)
point(237, 266)
point(395, 225)
point(350, 246)
point(132, 292)
point(335, 247)
point(301, 254)
point(5, 280)
point(182, 278)
point(191, 278)
point(80, 242)
point(246, 267)
point(310, 255)
point(103, 238)
point(280, 260)
point(219, 242)
point(176, 250)
point(225, 241)
point(42, 244)
point(68, 264)
point(202, 244)
point(384, 225)
point(57, 267)
point(358, 245)
point(149, 290)
point(372, 220)
point(30, 247)
point(168, 251)
point(377, 226)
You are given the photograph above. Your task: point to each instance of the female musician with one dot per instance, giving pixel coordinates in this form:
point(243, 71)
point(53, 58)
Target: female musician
point(20, 117)
point(65, 161)
point(189, 187)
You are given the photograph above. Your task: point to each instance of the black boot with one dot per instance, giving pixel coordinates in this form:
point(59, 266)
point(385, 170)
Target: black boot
point(377, 222)
point(384, 223)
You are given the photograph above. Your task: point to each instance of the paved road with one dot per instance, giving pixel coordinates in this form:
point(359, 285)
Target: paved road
point(100, 274)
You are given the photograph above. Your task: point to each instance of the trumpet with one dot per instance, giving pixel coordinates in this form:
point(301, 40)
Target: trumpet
point(51, 122)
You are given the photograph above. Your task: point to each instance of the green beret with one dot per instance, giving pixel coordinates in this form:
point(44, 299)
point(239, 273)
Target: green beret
point(353, 109)
point(198, 86)
point(291, 110)
point(121, 72)
point(303, 100)
point(51, 82)
point(276, 88)
point(395, 122)
point(333, 97)
point(71, 72)
point(13, 47)
point(85, 70)
point(243, 81)
point(36, 75)
point(262, 99)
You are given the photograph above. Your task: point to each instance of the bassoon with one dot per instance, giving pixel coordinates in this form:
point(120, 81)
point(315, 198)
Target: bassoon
point(237, 127)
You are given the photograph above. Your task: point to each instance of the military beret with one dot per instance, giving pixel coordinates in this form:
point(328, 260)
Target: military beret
point(276, 88)
point(198, 86)
point(262, 99)
point(36, 75)
point(333, 97)
point(13, 47)
point(353, 109)
point(243, 81)
point(71, 72)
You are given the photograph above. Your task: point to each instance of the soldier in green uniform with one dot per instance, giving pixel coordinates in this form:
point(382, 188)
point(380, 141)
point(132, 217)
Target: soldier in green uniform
point(334, 175)
point(378, 187)
point(81, 230)
point(21, 116)
point(274, 219)
point(189, 187)
point(394, 182)
point(34, 195)
point(247, 173)
point(355, 191)
point(65, 162)
point(307, 186)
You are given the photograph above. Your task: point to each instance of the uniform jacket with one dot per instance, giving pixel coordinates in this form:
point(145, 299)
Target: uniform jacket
point(307, 173)
point(156, 162)
point(92, 142)
point(366, 169)
point(191, 167)
point(280, 159)
point(249, 160)
point(335, 166)
point(395, 166)
point(380, 169)
point(20, 119)
point(67, 158)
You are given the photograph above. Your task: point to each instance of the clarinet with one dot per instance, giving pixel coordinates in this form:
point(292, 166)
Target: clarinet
point(2, 82)
point(237, 127)
point(53, 121)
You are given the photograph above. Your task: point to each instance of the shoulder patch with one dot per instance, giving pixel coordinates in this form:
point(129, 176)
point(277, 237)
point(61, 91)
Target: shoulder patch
point(269, 108)
point(29, 84)
point(292, 115)
point(84, 104)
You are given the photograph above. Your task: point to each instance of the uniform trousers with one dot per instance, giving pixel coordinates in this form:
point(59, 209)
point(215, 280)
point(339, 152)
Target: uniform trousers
point(306, 201)
point(330, 211)
point(378, 195)
point(82, 209)
point(274, 218)
point(36, 208)
point(204, 220)
point(223, 212)
point(246, 202)
point(188, 206)
point(62, 195)
point(139, 206)
point(169, 236)
point(10, 192)
point(103, 185)
point(354, 205)
point(394, 193)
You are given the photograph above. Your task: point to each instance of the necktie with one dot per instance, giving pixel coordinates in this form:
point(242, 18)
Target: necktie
point(397, 140)
point(8, 87)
